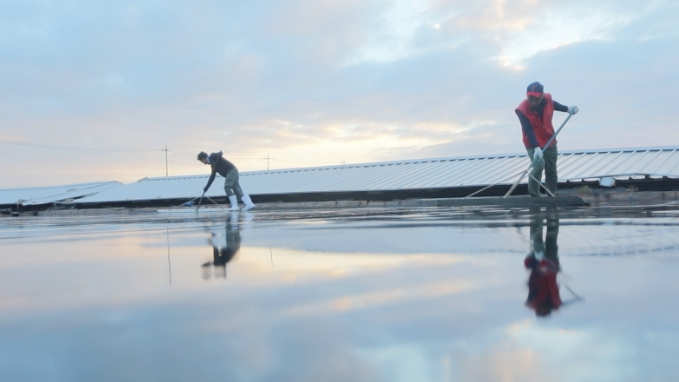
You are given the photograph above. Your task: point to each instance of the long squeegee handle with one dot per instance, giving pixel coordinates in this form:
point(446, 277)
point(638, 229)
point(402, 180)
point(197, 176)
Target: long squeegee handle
point(549, 142)
point(200, 201)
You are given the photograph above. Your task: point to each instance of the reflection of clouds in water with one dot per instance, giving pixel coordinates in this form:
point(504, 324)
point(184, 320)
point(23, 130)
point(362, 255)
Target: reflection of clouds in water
point(403, 362)
point(440, 314)
point(379, 298)
point(529, 351)
point(296, 265)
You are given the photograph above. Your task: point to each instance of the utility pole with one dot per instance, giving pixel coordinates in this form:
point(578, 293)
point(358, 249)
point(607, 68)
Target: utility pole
point(165, 159)
point(169, 260)
point(267, 160)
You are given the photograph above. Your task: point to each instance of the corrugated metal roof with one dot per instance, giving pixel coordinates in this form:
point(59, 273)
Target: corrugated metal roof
point(42, 195)
point(409, 174)
point(430, 173)
point(655, 162)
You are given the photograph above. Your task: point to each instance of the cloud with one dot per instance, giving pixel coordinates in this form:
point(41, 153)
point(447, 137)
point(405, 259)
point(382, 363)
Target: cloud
point(357, 80)
point(529, 352)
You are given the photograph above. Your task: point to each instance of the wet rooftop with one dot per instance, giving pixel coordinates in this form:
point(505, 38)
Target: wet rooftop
point(354, 294)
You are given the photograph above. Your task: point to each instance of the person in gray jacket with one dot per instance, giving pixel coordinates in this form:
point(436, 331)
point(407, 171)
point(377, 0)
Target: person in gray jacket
point(230, 173)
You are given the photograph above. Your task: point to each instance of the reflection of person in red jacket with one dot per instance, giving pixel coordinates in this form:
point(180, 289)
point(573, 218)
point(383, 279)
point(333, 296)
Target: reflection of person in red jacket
point(543, 291)
point(543, 262)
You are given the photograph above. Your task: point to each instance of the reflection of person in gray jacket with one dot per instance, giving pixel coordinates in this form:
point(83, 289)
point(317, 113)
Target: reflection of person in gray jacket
point(230, 173)
point(223, 249)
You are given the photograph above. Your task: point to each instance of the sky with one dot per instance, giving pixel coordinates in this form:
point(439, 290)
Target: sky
point(97, 90)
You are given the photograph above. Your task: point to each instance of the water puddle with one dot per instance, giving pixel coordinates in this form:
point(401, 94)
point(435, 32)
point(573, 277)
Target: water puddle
point(365, 294)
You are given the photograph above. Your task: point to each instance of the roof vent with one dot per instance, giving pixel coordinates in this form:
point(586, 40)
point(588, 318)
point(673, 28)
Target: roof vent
point(607, 182)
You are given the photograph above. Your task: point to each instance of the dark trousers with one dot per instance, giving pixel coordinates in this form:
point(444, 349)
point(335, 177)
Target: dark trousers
point(548, 165)
point(549, 245)
point(232, 185)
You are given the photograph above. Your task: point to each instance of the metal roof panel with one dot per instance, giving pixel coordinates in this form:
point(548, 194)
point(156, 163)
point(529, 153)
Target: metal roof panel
point(382, 176)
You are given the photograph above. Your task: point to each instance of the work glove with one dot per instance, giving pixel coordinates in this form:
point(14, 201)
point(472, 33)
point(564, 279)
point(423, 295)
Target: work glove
point(572, 110)
point(537, 154)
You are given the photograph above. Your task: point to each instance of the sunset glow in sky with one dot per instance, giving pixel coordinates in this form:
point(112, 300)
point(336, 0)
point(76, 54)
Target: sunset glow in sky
point(95, 90)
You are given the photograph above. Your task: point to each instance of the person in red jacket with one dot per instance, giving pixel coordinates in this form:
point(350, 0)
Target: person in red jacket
point(535, 114)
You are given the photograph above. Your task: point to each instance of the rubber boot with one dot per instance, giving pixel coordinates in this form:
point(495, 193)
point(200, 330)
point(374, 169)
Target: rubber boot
point(248, 202)
point(234, 203)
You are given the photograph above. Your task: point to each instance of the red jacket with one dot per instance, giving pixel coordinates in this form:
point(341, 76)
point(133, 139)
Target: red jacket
point(543, 291)
point(541, 126)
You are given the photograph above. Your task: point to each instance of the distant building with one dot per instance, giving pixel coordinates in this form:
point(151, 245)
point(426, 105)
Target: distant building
point(636, 169)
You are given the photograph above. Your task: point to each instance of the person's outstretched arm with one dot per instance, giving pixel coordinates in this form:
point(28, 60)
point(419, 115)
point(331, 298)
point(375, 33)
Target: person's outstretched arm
point(212, 178)
point(566, 109)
